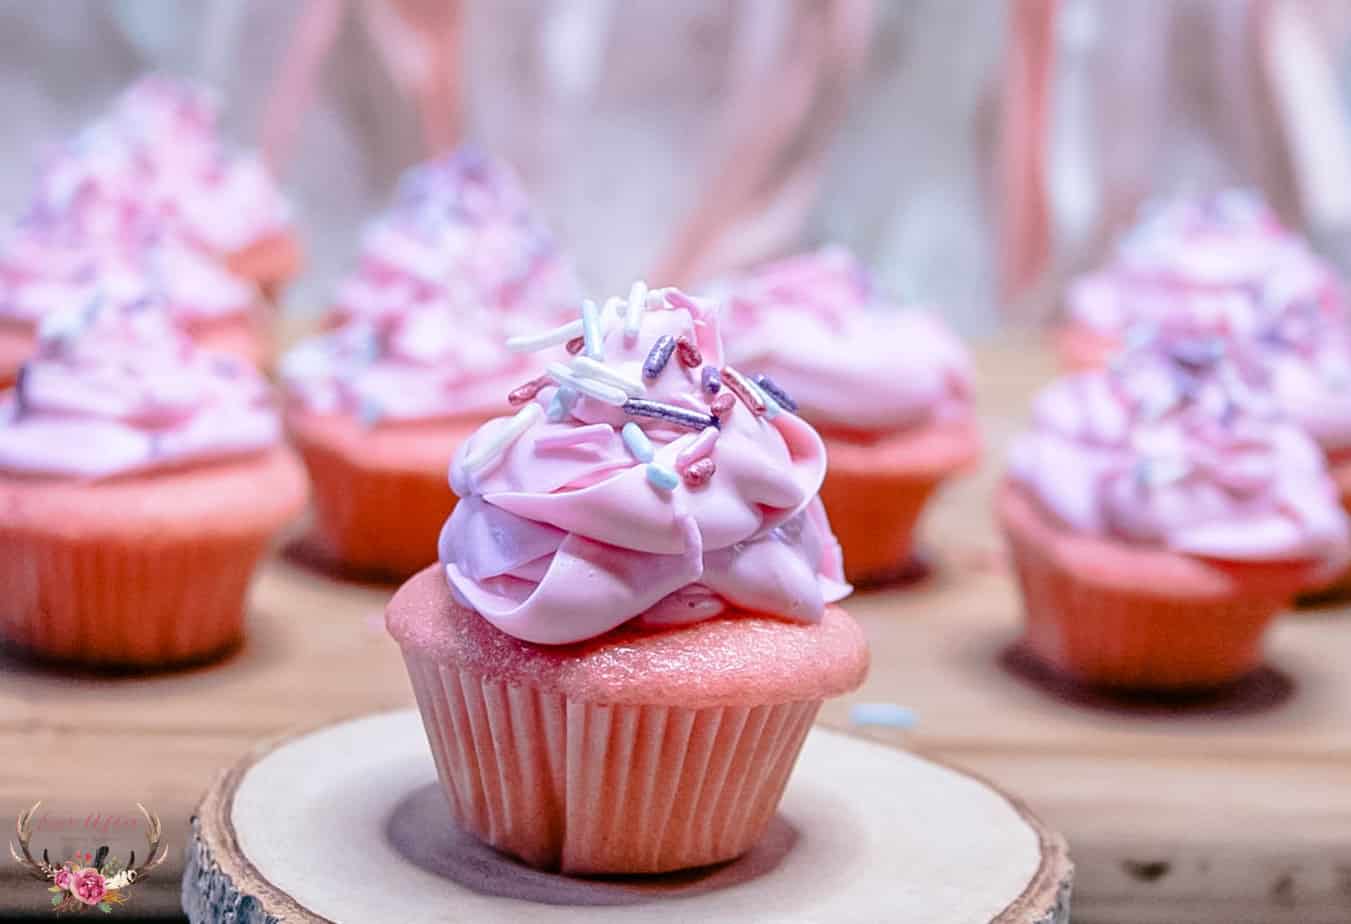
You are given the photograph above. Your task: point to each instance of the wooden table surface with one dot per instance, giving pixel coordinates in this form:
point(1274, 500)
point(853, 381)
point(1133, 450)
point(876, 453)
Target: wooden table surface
point(1233, 810)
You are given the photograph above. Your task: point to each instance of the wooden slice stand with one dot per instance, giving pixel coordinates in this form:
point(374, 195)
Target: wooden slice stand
point(347, 824)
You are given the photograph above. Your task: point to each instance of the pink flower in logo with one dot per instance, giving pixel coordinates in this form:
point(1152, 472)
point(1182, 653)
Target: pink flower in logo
point(88, 886)
point(63, 878)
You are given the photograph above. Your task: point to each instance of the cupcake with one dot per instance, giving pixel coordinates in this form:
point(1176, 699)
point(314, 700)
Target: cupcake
point(459, 229)
point(1160, 513)
point(1230, 243)
point(888, 389)
point(632, 624)
point(48, 264)
point(158, 149)
point(140, 481)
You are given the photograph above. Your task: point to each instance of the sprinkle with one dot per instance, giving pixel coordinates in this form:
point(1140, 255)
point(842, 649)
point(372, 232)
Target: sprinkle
point(529, 343)
point(591, 333)
point(637, 441)
point(679, 299)
point(523, 393)
point(369, 412)
point(592, 388)
point(633, 318)
point(745, 389)
point(722, 406)
point(699, 472)
point(658, 356)
point(587, 367)
point(574, 346)
point(1156, 472)
point(890, 715)
point(659, 476)
point(573, 436)
point(480, 457)
point(770, 387)
point(702, 446)
point(560, 405)
point(692, 420)
point(1198, 353)
point(688, 353)
point(710, 379)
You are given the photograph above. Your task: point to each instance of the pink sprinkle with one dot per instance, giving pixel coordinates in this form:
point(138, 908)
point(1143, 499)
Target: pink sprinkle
point(679, 299)
point(688, 353)
point(722, 405)
point(523, 393)
point(699, 472)
point(573, 436)
point(743, 389)
point(702, 446)
point(575, 345)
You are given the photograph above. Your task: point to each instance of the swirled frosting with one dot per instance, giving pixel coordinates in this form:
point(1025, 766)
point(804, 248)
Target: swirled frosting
point(158, 150)
point(1173, 448)
point(853, 362)
point(626, 487)
point(422, 362)
point(47, 265)
point(459, 232)
point(114, 389)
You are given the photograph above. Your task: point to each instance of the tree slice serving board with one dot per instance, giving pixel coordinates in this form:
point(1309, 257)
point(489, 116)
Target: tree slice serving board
point(347, 824)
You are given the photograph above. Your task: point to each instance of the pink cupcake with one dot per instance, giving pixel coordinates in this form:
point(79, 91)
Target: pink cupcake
point(889, 390)
point(158, 150)
point(140, 482)
point(460, 231)
point(632, 625)
point(1160, 514)
point(47, 264)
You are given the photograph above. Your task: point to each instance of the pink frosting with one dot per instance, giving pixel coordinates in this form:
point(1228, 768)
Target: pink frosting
point(158, 150)
point(1228, 264)
point(114, 389)
point(423, 362)
point(48, 265)
point(564, 531)
point(813, 324)
point(1171, 447)
point(459, 232)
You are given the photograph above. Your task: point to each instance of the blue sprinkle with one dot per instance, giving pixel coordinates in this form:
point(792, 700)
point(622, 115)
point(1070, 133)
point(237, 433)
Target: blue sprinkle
point(369, 412)
point(771, 388)
point(560, 405)
point(595, 347)
point(637, 441)
point(658, 356)
point(659, 476)
point(711, 380)
point(890, 715)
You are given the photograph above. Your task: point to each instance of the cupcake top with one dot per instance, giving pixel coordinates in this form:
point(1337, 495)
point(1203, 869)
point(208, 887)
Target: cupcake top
point(852, 362)
point(1230, 242)
point(1173, 447)
point(644, 479)
point(47, 265)
point(158, 149)
point(459, 232)
point(422, 362)
point(114, 389)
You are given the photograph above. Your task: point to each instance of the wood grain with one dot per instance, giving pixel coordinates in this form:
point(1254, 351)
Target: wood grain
point(1231, 811)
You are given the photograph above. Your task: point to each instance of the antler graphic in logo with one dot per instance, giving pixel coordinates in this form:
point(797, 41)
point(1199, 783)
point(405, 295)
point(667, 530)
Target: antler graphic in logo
point(88, 880)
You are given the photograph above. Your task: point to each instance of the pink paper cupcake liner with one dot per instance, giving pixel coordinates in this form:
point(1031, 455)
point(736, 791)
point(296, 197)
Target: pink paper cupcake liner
point(590, 788)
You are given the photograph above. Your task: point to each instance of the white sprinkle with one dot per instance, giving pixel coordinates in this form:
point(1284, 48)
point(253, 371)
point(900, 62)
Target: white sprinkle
point(560, 405)
point(591, 330)
point(528, 343)
point(637, 441)
point(633, 318)
point(480, 457)
point(588, 368)
point(592, 388)
point(890, 715)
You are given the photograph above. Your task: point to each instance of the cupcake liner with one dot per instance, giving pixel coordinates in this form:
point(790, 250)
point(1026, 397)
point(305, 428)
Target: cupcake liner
point(1142, 634)
point(380, 520)
point(873, 516)
point(124, 602)
point(592, 788)
point(270, 262)
point(1081, 348)
point(241, 335)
